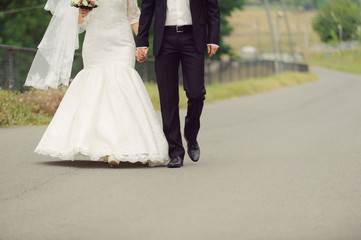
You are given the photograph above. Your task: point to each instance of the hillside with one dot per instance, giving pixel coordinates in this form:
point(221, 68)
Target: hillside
point(245, 31)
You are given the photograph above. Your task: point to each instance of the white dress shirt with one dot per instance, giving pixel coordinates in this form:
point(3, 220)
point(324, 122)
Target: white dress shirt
point(178, 13)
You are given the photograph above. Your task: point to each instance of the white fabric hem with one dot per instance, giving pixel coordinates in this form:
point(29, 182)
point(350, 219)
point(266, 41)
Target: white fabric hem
point(145, 158)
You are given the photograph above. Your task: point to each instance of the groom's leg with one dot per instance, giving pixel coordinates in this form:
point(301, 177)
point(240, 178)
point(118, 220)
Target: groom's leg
point(166, 67)
point(193, 82)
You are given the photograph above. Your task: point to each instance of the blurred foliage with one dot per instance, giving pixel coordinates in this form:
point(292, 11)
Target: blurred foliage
point(25, 29)
point(303, 4)
point(47, 101)
point(14, 110)
point(306, 4)
point(348, 61)
point(309, 4)
point(345, 13)
point(226, 7)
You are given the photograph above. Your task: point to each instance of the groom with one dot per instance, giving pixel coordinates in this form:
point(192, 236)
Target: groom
point(183, 31)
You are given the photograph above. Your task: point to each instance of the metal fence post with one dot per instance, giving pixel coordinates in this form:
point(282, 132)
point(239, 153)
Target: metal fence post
point(220, 71)
point(264, 68)
point(255, 67)
point(230, 64)
point(247, 69)
point(11, 70)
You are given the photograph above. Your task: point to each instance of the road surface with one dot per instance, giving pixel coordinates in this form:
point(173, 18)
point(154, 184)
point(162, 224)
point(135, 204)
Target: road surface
point(279, 165)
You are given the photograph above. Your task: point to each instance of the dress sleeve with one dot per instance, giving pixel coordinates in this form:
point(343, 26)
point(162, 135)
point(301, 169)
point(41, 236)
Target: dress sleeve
point(82, 27)
point(133, 11)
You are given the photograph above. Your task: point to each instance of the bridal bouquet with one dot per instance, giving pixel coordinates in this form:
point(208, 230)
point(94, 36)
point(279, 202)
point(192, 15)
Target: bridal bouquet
point(85, 4)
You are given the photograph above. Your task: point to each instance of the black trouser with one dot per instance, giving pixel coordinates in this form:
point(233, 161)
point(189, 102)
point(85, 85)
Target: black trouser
point(180, 48)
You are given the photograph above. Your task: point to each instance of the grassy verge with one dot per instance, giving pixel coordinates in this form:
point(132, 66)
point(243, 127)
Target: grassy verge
point(240, 88)
point(348, 61)
point(37, 107)
point(14, 110)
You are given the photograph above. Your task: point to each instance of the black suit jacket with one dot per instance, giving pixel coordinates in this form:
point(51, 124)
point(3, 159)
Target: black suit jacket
point(205, 18)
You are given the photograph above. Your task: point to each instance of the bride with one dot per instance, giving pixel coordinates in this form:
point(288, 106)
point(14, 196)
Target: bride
point(106, 112)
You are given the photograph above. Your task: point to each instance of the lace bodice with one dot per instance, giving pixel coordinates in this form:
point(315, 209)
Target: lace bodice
point(109, 36)
point(114, 11)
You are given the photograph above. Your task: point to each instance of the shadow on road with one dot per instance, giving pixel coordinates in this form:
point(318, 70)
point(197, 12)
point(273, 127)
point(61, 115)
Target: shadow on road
point(94, 164)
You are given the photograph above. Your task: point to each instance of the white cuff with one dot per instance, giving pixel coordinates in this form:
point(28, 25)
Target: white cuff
point(212, 44)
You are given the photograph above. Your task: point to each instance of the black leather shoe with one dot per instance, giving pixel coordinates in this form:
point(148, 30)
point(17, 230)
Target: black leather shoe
point(175, 162)
point(193, 151)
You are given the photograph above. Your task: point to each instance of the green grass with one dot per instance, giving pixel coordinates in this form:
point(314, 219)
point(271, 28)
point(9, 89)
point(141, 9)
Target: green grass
point(240, 88)
point(28, 108)
point(348, 61)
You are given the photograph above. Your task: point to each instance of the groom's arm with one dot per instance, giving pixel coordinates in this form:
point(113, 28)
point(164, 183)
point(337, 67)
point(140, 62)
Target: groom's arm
point(213, 21)
point(145, 22)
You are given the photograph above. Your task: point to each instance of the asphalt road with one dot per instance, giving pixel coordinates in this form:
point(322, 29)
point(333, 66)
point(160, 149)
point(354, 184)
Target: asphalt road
point(277, 165)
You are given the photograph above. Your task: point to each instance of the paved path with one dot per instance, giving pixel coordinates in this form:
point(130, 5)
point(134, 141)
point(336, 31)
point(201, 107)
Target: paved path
point(279, 165)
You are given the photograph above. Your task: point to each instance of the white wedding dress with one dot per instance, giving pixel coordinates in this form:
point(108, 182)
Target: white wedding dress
point(107, 110)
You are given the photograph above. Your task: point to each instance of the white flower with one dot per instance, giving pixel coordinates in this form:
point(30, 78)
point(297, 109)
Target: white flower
point(85, 3)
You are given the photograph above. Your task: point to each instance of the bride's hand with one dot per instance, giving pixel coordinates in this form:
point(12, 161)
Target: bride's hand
point(142, 54)
point(82, 14)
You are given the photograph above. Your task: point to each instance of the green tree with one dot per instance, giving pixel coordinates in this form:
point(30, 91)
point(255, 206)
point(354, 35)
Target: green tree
point(336, 13)
point(226, 7)
point(26, 28)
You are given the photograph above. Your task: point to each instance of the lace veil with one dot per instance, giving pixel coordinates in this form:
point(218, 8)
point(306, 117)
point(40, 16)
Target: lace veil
point(53, 61)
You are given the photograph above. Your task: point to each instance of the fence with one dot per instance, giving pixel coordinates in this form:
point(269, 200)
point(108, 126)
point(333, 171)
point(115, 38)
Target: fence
point(15, 63)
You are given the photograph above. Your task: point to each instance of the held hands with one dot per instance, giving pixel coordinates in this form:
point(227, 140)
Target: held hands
point(142, 54)
point(82, 14)
point(212, 50)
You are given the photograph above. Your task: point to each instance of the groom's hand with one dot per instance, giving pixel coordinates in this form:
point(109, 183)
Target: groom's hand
point(142, 54)
point(212, 49)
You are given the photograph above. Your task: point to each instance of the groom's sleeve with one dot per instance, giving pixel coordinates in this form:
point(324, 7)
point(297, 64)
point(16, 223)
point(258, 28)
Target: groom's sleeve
point(213, 21)
point(145, 22)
